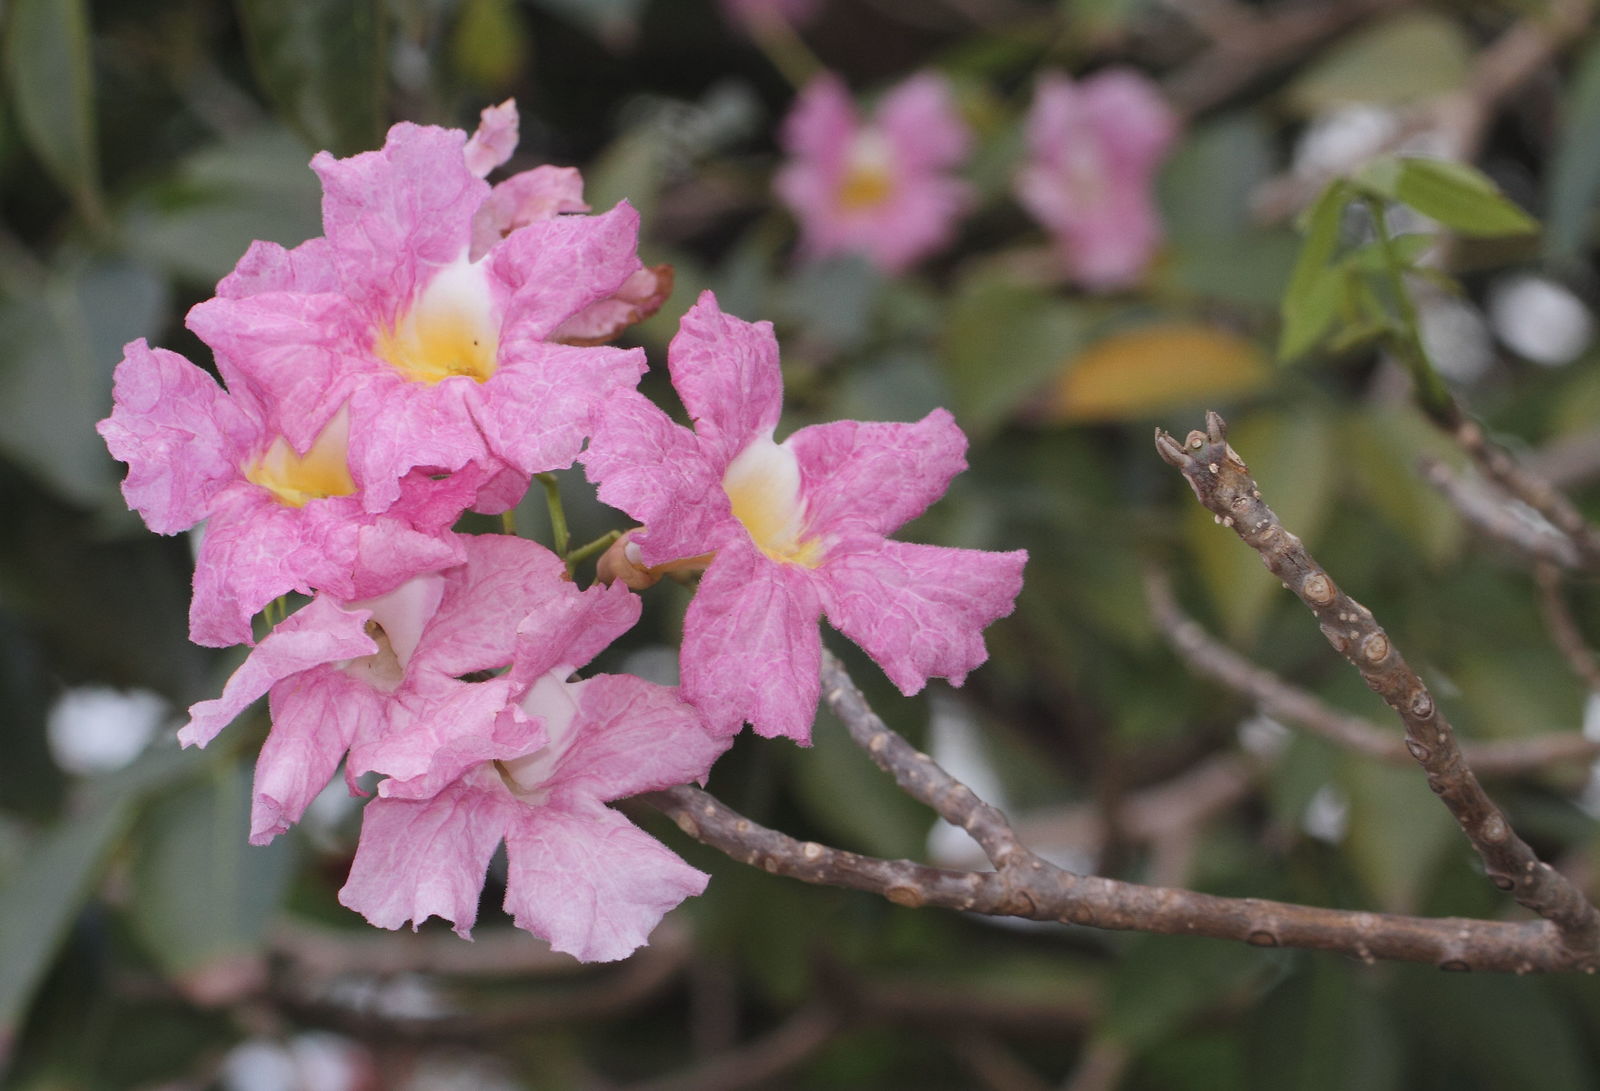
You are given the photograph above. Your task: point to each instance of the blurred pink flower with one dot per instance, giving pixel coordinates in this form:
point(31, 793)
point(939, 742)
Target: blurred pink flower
point(1093, 150)
point(883, 189)
point(278, 518)
point(537, 776)
point(798, 528)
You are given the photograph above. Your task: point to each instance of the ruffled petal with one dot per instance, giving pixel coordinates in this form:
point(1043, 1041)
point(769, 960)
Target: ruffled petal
point(503, 580)
point(494, 140)
point(751, 650)
point(633, 736)
point(874, 477)
point(320, 632)
point(538, 194)
point(536, 410)
point(920, 610)
point(180, 434)
point(558, 267)
point(726, 371)
point(591, 882)
point(426, 857)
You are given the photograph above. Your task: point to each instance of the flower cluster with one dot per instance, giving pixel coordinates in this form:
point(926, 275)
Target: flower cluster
point(442, 342)
point(885, 189)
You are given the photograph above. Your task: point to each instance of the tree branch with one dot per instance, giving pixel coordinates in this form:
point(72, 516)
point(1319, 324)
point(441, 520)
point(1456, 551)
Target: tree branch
point(1212, 660)
point(1223, 484)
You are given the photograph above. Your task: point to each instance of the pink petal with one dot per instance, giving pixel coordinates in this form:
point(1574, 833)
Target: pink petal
point(268, 267)
point(495, 138)
point(558, 267)
point(504, 579)
point(633, 736)
point(179, 433)
point(317, 715)
point(822, 122)
point(398, 426)
point(418, 858)
point(875, 477)
point(654, 470)
point(591, 882)
point(751, 650)
point(920, 120)
point(320, 632)
point(397, 213)
point(568, 631)
point(640, 296)
point(726, 371)
point(433, 739)
point(538, 194)
point(920, 610)
point(536, 410)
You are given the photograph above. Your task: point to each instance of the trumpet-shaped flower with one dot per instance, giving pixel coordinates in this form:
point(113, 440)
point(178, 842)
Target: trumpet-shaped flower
point(279, 516)
point(882, 188)
point(381, 678)
point(1093, 149)
point(443, 361)
point(798, 528)
point(538, 778)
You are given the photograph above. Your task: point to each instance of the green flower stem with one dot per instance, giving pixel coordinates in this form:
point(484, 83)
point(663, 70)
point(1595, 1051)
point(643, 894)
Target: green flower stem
point(584, 552)
point(508, 521)
point(787, 51)
point(1435, 397)
point(558, 516)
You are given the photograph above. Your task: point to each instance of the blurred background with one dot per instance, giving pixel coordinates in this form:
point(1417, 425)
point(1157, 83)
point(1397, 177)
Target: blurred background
point(144, 944)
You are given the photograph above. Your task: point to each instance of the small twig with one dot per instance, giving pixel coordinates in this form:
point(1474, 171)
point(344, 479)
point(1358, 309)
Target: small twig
point(1493, 514)
point(1564, 627)
point(1497, 464)
point(1286, 702)
point(1223, 484)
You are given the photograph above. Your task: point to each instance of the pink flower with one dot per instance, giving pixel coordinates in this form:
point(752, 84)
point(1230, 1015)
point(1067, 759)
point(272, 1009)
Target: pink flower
point(443, 361)
point(799, 529)
point(580, 874)
point(1093, 150)
point(279, 517)
point(380, 678)
point(882, 189)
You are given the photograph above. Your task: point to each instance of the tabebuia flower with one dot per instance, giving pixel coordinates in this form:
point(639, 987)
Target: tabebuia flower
point(1093, 148)
point(796, 529)
point(882, 188)
point(537, 776)
point(444, 355)
point(278, 517)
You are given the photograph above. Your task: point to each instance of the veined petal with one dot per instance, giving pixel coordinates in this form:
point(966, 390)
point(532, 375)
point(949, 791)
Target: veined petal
point(726, 371)
point(558, 267)
point(503, 581)
point(873, 476)
point(537, 410)
point(320, 632)
point(495, 138)
point(751, 650)
point(920, 610)
point(426, 857)
point(180, 434)
point(591, 882)
point(633, 736)
point(532, 195)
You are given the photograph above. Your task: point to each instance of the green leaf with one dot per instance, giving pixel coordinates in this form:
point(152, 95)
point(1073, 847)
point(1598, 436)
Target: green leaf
point(1572, 184)
point(1311, 300)
point(852, 800)
point(62, 343)
point(1163, 982)
point(1409, 56)
point(51, 83)
point(323, 63)
point(1397, 830)
point(199, 222)
point(1003, 343)
point(203, 896)
point(1326, 1028)
point(42, 894)
point(1460, 197)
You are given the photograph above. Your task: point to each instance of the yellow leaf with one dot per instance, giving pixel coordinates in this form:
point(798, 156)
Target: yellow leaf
point(1133, 373)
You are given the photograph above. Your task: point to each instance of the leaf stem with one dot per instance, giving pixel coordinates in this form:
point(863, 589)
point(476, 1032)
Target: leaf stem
point(558, 516)
point(1436, 399)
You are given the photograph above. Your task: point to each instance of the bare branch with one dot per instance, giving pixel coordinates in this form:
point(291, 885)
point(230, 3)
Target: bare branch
point(1564, 627)
point(1212, 660)
point(1223, 484)
point(1503, 469)
point(1043, 892)
point(1493, 515)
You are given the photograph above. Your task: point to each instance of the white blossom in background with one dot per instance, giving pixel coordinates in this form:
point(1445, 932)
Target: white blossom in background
point(96, 729)
point(1456, 337)
point(1263, 737)
point(1340, 140)
point(1327, 815)
point(307, 1062)
point(1589, 798)
point(955, 742)
point(1539, 320)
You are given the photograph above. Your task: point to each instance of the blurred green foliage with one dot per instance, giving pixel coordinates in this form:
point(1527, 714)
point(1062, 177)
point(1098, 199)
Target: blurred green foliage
point(145, 143)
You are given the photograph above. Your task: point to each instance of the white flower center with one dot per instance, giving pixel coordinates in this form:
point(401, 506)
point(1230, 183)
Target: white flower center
point(763, 485)
point(555, 700)
point(449, 330)
point(295, 479)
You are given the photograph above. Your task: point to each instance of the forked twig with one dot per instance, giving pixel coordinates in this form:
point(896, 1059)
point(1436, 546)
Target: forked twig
point(1223, 484)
